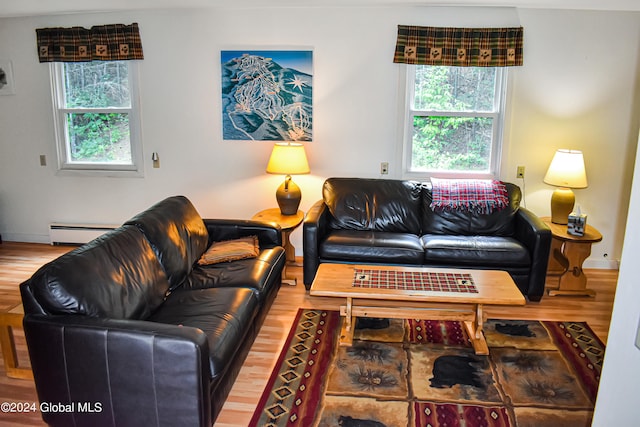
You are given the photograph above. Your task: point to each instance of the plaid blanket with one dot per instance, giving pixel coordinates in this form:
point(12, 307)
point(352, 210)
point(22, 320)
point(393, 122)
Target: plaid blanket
point(471, 195)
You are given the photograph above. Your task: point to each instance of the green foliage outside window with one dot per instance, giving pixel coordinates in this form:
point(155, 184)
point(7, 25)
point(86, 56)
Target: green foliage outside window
point(450, 130)
point(97, 136)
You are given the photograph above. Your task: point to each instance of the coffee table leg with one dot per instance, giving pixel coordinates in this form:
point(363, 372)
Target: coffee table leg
point(472, 326)
point(348, 325)
point(474, 329)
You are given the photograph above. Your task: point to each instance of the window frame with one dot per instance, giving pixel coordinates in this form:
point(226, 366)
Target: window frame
point(66, 167)
point(407, 85)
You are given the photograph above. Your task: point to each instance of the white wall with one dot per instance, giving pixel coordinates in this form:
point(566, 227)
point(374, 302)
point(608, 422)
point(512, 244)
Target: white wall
point(576, 90)
point(617, 403)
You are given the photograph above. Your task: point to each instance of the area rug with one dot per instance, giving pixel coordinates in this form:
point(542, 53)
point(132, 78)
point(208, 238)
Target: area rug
point(425, 373)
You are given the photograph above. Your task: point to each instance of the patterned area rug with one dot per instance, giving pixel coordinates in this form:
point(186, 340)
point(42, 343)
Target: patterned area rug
point(425, 373)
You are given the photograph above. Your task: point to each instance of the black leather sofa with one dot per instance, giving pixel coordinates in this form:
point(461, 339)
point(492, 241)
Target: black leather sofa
point(128, 330)
point(377, 221)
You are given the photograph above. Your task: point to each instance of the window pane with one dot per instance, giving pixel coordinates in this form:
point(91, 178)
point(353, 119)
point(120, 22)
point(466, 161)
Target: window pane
point(99, 138)
point(98, 84)
point(454, 88)
point(451, 143)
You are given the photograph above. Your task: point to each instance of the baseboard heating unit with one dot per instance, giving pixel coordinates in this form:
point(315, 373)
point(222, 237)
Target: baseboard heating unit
point(76, 234)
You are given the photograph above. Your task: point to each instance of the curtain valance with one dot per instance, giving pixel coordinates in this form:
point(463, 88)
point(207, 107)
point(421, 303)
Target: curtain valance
point(100, 43)
point(463, 47)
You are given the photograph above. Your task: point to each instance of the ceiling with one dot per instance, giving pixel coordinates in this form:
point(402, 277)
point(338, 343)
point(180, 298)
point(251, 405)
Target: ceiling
point(13, 8)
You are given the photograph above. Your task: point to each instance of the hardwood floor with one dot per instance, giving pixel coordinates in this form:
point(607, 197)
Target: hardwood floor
point(19, 260)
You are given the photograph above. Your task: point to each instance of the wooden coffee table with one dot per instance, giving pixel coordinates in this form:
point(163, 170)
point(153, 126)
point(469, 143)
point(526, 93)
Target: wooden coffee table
point(462, 297)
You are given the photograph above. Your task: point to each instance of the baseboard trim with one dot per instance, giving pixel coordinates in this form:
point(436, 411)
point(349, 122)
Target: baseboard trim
point(602, 264)
point(26, 238)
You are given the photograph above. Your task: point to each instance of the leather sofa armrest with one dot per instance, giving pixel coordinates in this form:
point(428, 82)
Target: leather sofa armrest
point(269, 235)
point(536, 236)
point(314, 229)
point(127, 372)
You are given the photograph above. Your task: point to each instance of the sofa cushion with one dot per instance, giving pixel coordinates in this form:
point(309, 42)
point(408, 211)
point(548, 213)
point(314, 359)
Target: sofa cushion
point(225, 315)
point(255, 273)
point(177, 234)
point(463, 222)
point(480, 251)
point(372, 246)
point(373, 204)
point(231, 250)
point(115, 276)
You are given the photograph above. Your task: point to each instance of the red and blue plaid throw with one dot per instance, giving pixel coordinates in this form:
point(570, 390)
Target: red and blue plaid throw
point(476, 195)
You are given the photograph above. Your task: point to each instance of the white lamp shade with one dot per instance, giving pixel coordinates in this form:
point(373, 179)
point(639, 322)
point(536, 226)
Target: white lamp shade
point(288, 159)
point(567, 170)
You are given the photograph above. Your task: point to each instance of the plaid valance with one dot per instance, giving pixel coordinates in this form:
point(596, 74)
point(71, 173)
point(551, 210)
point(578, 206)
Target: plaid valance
point(100, 43)
point(462, 47)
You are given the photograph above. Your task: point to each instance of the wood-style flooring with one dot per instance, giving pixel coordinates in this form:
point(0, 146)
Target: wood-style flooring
point(19, 260)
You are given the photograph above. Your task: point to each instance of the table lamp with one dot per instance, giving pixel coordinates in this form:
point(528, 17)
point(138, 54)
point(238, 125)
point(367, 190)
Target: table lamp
point(288, 159)
point(566, 171)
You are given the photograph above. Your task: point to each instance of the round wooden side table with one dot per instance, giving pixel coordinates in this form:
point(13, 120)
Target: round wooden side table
point(287, 224)
point(566, 257)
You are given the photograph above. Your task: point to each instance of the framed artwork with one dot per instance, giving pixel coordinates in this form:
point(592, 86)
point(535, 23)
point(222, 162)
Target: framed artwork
point(7, 86)
point(267, 95)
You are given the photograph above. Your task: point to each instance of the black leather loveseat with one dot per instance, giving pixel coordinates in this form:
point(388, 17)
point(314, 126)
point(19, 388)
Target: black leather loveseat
point(377, 221)
point(129, 330)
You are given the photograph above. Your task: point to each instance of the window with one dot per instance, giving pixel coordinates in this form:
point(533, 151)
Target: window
point(453, 121)
point(96, 117)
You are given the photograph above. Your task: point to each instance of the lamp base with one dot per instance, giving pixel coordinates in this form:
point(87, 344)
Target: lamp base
point(562, 201)
point(288, 197)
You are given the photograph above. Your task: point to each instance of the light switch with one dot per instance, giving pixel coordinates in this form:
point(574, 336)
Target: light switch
point(43, 160)
point(638, 336)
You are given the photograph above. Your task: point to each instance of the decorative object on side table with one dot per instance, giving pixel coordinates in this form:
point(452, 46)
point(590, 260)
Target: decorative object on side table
point(566, 171)
point(566, 257)
point(577, 223)
point(288, 159)
point(287, 224)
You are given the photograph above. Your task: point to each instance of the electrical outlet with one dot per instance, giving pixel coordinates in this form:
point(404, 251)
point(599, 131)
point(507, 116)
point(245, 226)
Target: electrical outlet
point(384, 168)
point(520, 172)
